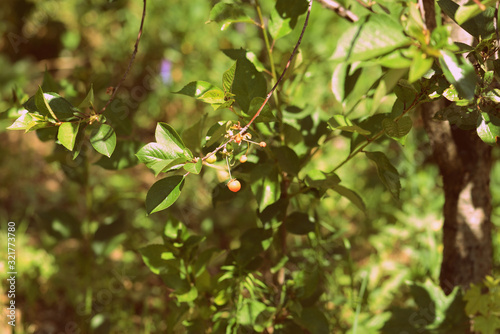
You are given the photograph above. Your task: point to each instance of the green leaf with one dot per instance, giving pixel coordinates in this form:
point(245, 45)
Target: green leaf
point(168, 152)
point(88, 102)
point(166, 136)
point(52, 105)
point(205, 92)
point(397, 129)
point(420, 65)
point(265, 185)
point(194, 167)
point(299, 223)
point(22, 122)
point(459, 73)
point(189, 296)
point(478, 26)
point(466, 12)
point(248, 82)
point(265, 115)
point(217, 132)
point(287, 159)
point(164, 193)
point(284, 17)
point(103, 139)
point(374, 36)
point(192, 136)
point(321, 181)
point(48, 83)
point(341, 122)
point(42, 105)
point(159, 158)
point(152, 257)
point(228, 78)
point(67, 134)
point(351, 196)
point(414, 24)
point(249, 312)
point(123, 156)
point(386, 172)
point(488, 129)
point(487, 324)
point(227, 13)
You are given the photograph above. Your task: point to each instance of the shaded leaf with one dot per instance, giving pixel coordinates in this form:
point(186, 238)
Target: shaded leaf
point(248, 82)
point(399, 128)
point(351, 196)
point(386, 172)
point(341, 122)
point(152, 257)
point(287, 159)
point(299, 223)
point(164, 193)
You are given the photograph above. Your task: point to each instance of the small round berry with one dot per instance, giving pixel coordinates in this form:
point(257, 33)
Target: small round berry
point(234, 185)
point(243, 159)
point(262, 144)
point(211, 159)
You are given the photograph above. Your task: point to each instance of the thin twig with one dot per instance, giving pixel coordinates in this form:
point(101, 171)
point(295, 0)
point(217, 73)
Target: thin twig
point(245, 128)
point(131, 60)
point(339, 9)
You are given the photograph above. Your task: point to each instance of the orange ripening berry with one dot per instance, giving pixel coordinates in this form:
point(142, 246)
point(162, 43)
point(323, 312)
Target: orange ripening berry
point(234, 185)
point(262, 144)
point(238, 139)
point(243, 159)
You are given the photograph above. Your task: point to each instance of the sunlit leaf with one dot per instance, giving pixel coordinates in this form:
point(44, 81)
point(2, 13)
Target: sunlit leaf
point(459, 73)
point(374, 36)
point(67, 134)
point(103, 139)
point(489, 129)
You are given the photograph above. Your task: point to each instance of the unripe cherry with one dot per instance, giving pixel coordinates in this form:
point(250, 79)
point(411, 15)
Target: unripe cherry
point(262, 144)
point(211, 159)
point(243, 159)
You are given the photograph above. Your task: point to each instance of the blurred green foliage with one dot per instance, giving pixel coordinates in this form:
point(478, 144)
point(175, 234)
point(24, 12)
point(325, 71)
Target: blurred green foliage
point(83, 230)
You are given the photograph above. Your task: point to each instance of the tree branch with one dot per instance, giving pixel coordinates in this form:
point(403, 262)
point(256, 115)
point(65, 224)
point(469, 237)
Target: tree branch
point(337, 8)
point(130, 62)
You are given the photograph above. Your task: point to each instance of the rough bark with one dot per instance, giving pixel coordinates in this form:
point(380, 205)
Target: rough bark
point(465, 163)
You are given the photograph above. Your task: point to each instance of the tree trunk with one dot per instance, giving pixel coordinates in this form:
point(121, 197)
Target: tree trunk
point(465, 164)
